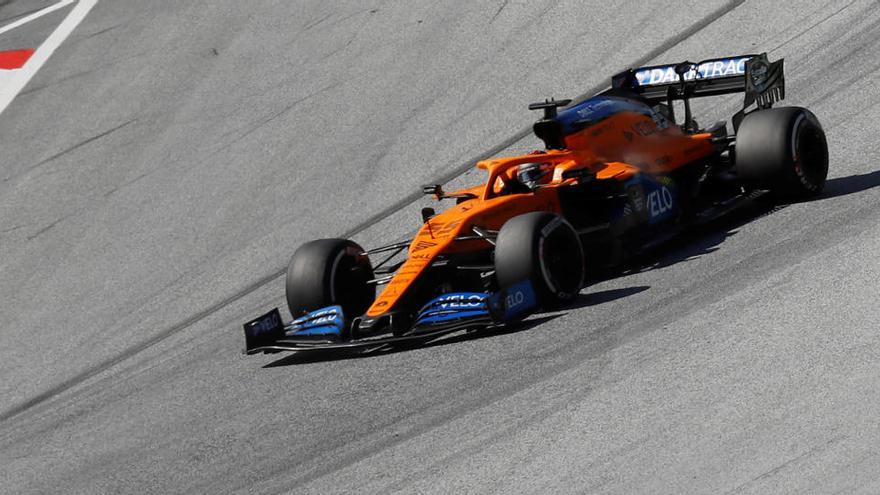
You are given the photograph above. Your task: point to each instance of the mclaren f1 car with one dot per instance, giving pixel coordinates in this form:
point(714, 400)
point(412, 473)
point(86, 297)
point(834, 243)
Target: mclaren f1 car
point(619, 173)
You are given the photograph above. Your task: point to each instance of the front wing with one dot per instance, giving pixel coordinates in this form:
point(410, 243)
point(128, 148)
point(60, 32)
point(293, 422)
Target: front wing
point(327, 328)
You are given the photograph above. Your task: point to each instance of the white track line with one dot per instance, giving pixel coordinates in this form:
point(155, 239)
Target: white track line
point(16, 80)
point(35, 15)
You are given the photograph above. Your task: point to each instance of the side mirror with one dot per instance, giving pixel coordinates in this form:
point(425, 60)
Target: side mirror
point(427, 213)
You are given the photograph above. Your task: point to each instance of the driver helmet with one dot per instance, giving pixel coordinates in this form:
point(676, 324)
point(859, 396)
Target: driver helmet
point(534, 174)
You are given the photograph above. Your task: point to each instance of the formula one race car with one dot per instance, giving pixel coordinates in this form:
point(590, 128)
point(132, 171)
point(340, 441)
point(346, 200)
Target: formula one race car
point(619, 175)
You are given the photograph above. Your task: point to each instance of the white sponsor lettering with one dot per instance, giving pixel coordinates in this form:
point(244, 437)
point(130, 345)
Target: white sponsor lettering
point(591, 108)
point(330, 318)
point(708, 70)
point(659, 201)
point(318, 318)
point(459, 301)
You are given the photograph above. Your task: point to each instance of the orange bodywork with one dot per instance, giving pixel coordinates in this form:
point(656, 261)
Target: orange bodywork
point(617, 147)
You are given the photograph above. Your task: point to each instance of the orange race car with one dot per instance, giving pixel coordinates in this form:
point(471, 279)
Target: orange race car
point(619, 173)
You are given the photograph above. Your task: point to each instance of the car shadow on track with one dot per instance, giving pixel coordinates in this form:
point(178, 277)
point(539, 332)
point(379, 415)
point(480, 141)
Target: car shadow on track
point(701, 240)
point(841, 186)
point(707, 238)
point(604, 296)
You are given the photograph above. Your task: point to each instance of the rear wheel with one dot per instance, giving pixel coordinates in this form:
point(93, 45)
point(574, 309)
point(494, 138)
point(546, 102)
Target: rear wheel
point(783, 150)
point(544, 249)
point(329, 272)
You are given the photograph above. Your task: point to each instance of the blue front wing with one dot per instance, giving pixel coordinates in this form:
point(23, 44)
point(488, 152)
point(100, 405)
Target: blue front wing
point(458, 310)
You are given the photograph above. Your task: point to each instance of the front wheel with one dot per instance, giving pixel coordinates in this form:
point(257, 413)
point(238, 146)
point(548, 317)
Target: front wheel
point(544, 249)
point(329, 272)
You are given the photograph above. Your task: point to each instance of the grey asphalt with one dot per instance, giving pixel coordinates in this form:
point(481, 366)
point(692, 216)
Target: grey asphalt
point(160, 169)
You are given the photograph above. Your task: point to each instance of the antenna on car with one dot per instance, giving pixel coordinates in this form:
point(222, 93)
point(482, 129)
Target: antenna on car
point(549, 105)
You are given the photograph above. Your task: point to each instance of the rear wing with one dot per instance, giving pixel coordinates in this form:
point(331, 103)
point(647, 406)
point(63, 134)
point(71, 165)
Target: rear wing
point(762, 81)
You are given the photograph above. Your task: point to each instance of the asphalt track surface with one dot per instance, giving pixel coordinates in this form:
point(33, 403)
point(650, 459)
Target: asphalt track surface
point(158, 171)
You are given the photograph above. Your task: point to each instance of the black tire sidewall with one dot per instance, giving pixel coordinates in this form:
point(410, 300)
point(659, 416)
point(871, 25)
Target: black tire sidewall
point(519, 257)
point(769, 152)
point(314, 280)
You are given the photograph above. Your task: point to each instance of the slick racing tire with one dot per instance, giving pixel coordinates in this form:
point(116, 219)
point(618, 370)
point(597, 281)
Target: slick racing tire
point(328, 272)
point(782, 150)
point(544, 249)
